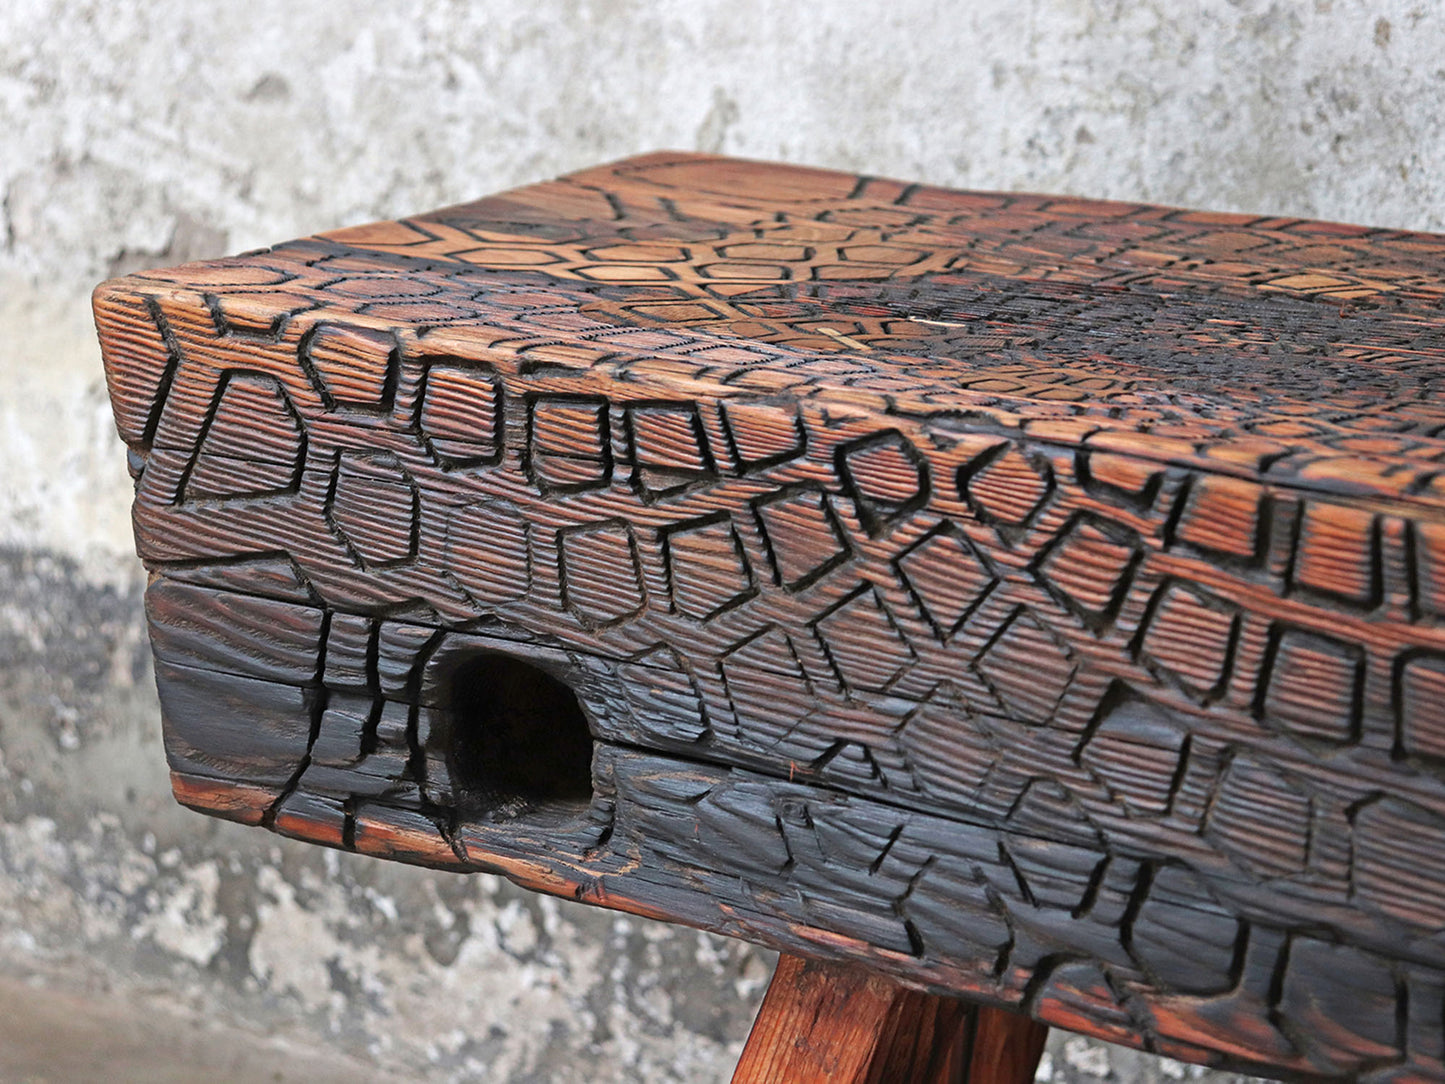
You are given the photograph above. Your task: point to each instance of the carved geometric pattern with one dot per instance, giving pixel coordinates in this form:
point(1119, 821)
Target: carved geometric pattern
point(708, 568)
point(375, 507)
point(1136, 750)
point(1314, 687)
point(1131, 478)
point(765, 706)
point(949, 577)
point(671, 450)
point(1183, 937)
point(252, 445)
point(804, 537)
point(1044, 809)
point(949, 751)
point(1222, 514)
point(486, 550)
point(601, 573)
point(663, 697)
point(1329, 985)
point(864, 643)
point(569, 446)
point(1053, 874)
point(1090, 564)
point(949, 580)
point(1027, 667)
point(461, 413)
point(1337, 552)
point(1422, 705)
point(355, 365)
point(1429, 542)
point(885, 474)
point(1400, 864)
point(1190, 636)
point(763, 434)
point(1006, 486)
point(348, 647)
point(1260, 818)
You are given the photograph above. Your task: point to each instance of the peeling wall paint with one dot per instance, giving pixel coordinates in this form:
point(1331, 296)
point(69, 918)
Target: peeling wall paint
point(135, 134)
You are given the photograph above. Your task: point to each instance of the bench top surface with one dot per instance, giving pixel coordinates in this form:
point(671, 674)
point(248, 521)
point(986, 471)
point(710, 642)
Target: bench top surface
point(1308, 348)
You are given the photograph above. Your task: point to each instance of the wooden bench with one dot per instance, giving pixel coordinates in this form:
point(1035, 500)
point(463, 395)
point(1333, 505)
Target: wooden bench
point(1031, 600)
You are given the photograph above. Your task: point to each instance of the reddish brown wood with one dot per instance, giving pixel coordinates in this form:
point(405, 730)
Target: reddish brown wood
point(843, 1024)
point(1005, 1047)
point(1036, 599)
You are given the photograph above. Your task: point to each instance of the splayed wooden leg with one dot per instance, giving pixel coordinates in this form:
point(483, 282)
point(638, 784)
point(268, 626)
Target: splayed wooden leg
point(838, 1023)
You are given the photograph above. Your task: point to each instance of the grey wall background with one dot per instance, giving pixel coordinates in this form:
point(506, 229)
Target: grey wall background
point(136, 134)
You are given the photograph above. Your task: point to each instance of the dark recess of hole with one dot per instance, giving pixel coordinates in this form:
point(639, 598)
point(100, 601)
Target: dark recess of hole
point(519, 740)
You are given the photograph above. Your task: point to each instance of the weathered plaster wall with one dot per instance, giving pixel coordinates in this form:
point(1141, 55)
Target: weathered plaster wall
point(143, 133)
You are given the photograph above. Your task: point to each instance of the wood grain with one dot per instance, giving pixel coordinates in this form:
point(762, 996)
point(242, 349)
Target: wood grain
point(1035, 599)
point(824, 1022)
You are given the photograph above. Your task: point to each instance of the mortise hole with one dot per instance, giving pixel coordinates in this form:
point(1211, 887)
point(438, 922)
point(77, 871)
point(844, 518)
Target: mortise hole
point(519, 740)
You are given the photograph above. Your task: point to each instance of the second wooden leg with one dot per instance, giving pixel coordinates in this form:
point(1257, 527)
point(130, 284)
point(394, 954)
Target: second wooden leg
point(833, 1022)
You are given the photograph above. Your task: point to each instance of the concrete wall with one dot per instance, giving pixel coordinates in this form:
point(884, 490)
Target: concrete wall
point(145, 133)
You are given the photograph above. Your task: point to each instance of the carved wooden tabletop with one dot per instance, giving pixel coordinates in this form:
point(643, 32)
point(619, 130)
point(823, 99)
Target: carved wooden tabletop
point(1037, 599)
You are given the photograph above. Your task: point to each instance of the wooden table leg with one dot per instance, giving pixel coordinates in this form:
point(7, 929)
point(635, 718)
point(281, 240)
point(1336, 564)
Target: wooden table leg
point(840, 1023)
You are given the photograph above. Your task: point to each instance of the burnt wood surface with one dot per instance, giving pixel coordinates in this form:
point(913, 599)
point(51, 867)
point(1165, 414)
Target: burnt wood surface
point(1032, 598)
point(829, 1023)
